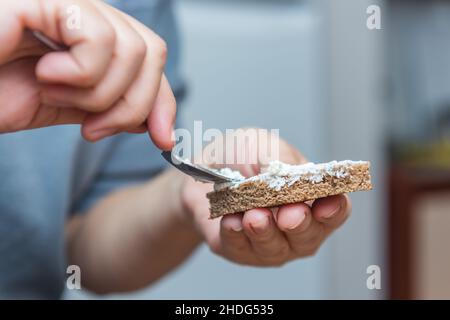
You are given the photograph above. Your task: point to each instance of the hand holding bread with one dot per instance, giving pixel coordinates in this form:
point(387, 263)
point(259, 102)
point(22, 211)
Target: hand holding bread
point(266, 236)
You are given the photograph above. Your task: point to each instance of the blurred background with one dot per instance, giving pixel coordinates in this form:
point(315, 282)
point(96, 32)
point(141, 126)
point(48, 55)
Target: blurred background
point(336, 90)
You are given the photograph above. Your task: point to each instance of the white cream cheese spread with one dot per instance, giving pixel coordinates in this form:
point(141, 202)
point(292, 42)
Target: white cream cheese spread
point(232, 174)
point(279, 174)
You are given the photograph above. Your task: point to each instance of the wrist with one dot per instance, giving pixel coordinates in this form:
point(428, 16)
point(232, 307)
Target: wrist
point(181, 208)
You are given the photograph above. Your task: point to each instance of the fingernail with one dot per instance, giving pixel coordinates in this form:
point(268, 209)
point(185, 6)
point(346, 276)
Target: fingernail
point(236, 228)
point(102, 133)
point(333, 210)
point(260, 226)
point(235, 225)
point(299, 220)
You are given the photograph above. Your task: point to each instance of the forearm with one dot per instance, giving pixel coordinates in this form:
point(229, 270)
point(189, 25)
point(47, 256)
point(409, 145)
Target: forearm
point(132, 237)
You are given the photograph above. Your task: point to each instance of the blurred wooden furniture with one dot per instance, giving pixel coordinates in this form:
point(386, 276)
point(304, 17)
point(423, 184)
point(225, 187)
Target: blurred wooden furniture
point(406, 187)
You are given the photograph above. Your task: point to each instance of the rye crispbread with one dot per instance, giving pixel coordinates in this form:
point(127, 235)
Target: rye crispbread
point(259, 193)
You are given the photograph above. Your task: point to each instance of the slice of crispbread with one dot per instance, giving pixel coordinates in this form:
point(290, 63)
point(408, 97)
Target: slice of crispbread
point(300, 184)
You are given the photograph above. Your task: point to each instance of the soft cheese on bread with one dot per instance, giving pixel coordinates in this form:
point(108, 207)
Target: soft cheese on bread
point(282, 183)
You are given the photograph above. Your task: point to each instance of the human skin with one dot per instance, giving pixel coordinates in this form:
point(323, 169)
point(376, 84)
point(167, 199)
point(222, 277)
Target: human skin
point(136, 235)
point(111, 79)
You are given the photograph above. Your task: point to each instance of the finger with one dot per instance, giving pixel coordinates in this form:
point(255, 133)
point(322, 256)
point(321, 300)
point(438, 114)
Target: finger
point(91, 47)
point(127, 60)
point(25, 110)
point(125, 116)
point(29, 47)
point(332, 211)
point(54, 115)
point(235, 244)
point(91, 43)
point(304, 234)
point(135, 106)
point(162, 117)
point(267, 241)
point(138, 130)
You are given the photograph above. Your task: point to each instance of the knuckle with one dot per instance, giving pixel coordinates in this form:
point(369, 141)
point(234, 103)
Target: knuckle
point(172, 102)
point(99, 102)
point(313, 240)
point(235, 246)
point(263, 240)
point(275, 256)
point(139, 48)
point(299, 230)
point(133, 117)
point(87, 76)
point(307, 250)
point(282, 255)
point(240, 247)
point(107, 34)
point(87, 135)
point(263, 236)
point(136, 48)
point(304, 245)
point(161, 50)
